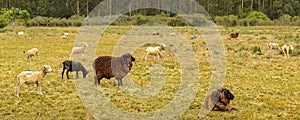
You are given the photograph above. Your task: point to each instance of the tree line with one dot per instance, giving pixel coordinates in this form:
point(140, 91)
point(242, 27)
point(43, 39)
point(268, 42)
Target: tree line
point(241, 8)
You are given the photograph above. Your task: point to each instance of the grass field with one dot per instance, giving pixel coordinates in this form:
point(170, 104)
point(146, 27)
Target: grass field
point(264, 87)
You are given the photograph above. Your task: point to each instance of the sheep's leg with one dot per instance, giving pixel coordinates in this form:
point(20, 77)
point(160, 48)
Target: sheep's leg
point(62, 74)
point(288, 52)
point(97, 80)
point(119, 81)
point(39, 88)
point(19, 84)
point(76, 74)
point(146, 57)
point(67, 74)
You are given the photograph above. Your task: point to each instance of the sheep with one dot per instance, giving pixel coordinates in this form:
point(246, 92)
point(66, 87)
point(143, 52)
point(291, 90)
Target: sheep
point(233, 35)
point(32, 77)
point(286, 49)
point(78, 50)
point(109, 67)
point(273, 46)
point(32, 52)
point(73, 66)
point(172, 34)
point(155, 33)
point(219, 100)
point(156, 51)
point(65, 36)
point(21, 33)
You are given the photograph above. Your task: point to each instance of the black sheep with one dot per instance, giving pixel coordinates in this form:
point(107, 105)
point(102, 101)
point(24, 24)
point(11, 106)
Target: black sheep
point(73, 66)
point(109, 67)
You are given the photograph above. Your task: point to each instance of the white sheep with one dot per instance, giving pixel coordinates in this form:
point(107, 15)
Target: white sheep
point(32, 77)
point(21, 33)
point(32, 52)
point(65, 35)
point(173, 34)
point(286, 49)
point(273, 46)
point(156, 51)
point(78, 50)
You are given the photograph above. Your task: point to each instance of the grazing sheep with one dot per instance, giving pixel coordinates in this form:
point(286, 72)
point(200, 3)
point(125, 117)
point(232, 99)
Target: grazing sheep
point(65, 36)
point(156, 51)
point(273, 46)
point(78, 50)
point(219, 100)
point(108, 67)
point(21, 33)
point(233, 35)
point(155, 33)
point(73, 66)
point(32, 52)
point(286, 49)
point(32, 77)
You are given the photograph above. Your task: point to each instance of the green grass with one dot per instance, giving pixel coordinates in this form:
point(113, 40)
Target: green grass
point(264, 88)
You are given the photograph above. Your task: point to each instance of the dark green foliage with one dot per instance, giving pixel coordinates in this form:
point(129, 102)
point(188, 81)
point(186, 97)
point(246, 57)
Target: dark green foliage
point(3, 22)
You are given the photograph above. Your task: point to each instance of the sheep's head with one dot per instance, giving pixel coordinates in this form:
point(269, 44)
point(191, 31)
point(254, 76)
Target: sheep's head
point(128, 57)
point(86, 45)
point(47, 68)
point(226, 95)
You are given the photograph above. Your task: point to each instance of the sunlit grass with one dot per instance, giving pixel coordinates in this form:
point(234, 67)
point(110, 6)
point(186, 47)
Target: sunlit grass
point(264, 88)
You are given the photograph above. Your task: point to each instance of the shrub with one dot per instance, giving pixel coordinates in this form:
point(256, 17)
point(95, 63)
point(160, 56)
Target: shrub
point(3, 22)
point(257, 18)
point(230, 20)
point(177, 21)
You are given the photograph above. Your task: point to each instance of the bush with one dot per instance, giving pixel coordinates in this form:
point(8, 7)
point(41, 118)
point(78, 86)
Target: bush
point(257, 18)
point(177, 21)
point(229, 21)
point(140, 19)
point(3, 22)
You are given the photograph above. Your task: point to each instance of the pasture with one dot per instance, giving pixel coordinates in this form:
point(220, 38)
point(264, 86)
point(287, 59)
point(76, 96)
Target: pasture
point(264, 87)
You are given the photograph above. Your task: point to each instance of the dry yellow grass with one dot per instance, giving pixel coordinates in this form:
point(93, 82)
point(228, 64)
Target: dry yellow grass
point(264, 88)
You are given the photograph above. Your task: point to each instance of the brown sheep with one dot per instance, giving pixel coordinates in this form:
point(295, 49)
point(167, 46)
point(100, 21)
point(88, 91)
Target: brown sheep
point(233, 35)
point(219, 100)
point(32, 77)
point(109, 67)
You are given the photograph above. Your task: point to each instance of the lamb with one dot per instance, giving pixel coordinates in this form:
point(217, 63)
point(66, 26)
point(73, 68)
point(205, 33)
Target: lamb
point(156, 51)
point(286, 49)
point(219, 100)
point(78, 50)
point(73, 66)
point(109, 67)
point(273, 46)
point(233, 35)
point(32, 52)
point(32, 77)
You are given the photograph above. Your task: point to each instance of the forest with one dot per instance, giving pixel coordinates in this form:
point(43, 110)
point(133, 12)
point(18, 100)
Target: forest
point(284, 11)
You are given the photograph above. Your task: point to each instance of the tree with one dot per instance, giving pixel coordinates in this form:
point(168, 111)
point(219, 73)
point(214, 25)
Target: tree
point(16, 13)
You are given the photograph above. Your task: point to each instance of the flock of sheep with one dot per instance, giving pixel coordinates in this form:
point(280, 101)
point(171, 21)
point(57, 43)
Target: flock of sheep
point(285, 49)
point(104, 66)
point(118, 67)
